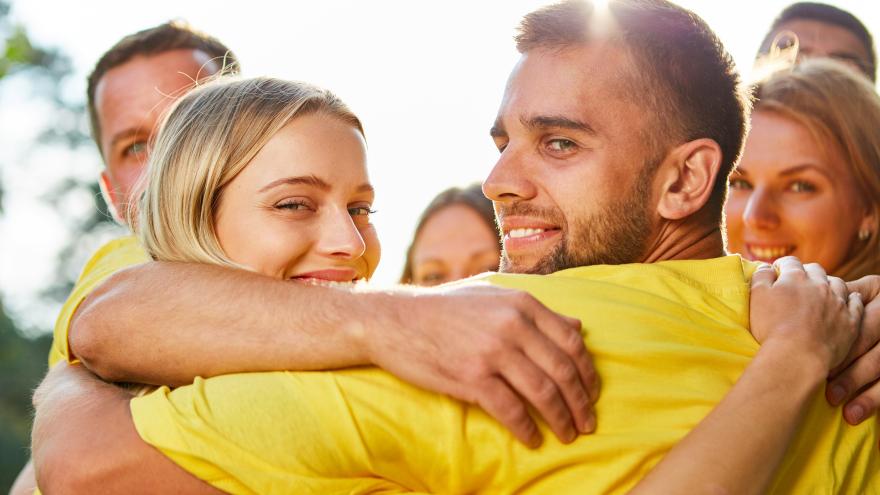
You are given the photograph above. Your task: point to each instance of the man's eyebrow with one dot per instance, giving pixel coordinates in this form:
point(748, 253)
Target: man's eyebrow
point(308, 180)
point(549, 121)
point(125, 134)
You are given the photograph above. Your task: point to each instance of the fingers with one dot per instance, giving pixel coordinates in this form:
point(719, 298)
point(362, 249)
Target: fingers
point(789, 267)
point(868, 286)
point(563, 371)
point(503, 404)
point(863, 371)
point(764, 276)
point(530, 382)
point(864, 406)
point(815, 272)
point(566, 334)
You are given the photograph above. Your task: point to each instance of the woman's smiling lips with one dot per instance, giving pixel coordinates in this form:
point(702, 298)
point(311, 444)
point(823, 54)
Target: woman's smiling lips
point(329, 275)
point(522, 233)
point(768, 252)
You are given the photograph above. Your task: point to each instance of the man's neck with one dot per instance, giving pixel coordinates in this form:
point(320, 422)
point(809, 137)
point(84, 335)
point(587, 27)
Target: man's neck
point(687, 239)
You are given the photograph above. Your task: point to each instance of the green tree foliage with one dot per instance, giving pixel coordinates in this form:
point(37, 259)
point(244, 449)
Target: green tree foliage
point(23, 360)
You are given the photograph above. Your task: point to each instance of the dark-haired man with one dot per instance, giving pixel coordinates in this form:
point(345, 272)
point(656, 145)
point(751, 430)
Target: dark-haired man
point(283, 325)
point(823, 31)
point(129, 89)
point(615, 144)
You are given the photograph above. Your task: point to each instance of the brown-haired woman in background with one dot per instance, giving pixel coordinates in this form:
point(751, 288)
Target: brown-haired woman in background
point(808, 184)
point(455, 238)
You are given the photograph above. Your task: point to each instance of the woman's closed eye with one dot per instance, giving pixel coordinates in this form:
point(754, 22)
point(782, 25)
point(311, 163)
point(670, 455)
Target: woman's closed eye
point(364, 210)
point(293, 205)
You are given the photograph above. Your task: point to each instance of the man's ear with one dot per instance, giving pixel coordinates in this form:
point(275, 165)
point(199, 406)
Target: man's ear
point(110, 196)
point(687, 177)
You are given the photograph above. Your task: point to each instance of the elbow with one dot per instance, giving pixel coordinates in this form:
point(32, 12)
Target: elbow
point(94, 329)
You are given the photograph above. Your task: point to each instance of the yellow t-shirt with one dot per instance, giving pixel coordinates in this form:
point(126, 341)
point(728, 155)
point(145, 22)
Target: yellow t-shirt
point(112, 257)
point(668, 339)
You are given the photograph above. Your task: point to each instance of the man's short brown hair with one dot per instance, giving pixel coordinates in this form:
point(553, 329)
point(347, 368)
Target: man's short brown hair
point(166, 37)
point(682, 72)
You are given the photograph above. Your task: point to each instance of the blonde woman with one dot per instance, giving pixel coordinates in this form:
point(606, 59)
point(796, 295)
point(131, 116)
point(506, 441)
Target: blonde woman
point(270, 176)
point(808, 184)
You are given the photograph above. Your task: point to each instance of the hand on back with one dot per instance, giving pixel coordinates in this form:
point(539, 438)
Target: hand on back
point(498, 348)
point(801, 307)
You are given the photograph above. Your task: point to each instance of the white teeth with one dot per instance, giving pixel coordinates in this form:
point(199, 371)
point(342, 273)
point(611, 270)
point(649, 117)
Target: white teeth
point(518, 233)
point(771, 252)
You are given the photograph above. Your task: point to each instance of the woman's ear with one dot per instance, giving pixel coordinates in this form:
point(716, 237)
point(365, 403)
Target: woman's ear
point(688, 178)
point(868, 227)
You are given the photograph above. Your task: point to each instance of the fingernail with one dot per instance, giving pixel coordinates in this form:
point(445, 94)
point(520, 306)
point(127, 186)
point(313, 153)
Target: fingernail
point(570, 435)
point(836, 395)
point(589, 424)
point(535, 441)
point(856, 413)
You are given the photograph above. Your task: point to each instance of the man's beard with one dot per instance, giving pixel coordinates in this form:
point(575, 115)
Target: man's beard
point(615, 235)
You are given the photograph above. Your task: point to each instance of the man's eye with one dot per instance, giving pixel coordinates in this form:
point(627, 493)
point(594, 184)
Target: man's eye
point(561, 145)
point(741, 184)
point(136, 148)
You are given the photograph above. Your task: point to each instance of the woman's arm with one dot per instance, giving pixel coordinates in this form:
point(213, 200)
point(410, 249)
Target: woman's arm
point(72, 455)
point(806, 325)
point(26, 482)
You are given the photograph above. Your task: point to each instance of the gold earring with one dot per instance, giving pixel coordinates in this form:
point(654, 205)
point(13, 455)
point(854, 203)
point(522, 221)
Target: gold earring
point(864, 234)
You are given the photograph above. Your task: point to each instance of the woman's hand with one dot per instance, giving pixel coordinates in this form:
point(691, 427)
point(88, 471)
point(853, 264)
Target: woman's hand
point(803, 309)
point(498, 348)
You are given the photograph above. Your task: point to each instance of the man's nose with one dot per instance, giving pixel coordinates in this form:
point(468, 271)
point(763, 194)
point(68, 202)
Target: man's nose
point(509, 180)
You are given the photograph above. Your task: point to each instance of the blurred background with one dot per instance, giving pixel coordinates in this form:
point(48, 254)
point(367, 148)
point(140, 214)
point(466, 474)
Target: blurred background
point(425, 77)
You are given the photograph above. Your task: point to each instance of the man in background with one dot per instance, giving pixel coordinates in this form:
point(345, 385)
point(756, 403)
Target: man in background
point(823, 31)
point(129, 89)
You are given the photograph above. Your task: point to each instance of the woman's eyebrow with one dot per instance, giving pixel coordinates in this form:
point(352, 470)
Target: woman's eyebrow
point(308, 180)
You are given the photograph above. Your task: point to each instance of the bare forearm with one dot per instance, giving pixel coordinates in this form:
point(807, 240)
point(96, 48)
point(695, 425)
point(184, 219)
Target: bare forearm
point(84, 441)
point(738, 447)
point(165, 323)
point(26, 482)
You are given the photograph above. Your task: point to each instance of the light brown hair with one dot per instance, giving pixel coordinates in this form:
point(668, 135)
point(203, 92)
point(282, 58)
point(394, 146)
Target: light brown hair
point(841, 110)
point(206, 139)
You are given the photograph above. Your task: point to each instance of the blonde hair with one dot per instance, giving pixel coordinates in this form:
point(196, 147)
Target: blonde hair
point(841, 109)
point(206, 139)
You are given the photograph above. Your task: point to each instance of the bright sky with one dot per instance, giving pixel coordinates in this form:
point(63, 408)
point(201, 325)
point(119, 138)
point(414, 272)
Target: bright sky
point(425, 77)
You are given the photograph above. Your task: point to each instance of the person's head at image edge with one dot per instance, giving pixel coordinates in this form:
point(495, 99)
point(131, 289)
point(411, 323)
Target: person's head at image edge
point(262, 174)
point(455, 238)
point(808, 184)
point(130, 88)
point(821, 30)
point(617, 131)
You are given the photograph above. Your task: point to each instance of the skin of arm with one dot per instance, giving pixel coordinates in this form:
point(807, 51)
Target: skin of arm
point(75, 456)
point(788, 370)
point(25, 483)
point(805, 327)
point(467, 343)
